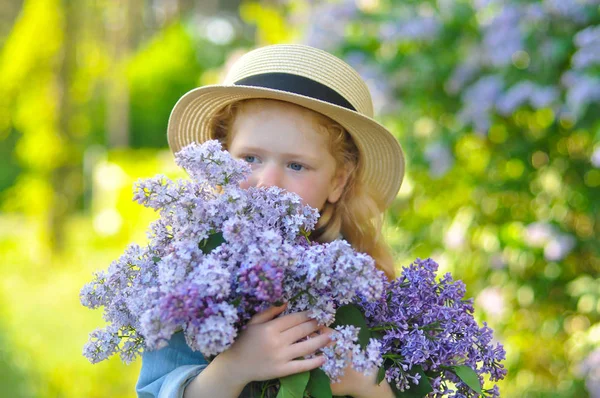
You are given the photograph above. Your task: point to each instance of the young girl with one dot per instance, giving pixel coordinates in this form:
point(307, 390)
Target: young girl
point(303, 119)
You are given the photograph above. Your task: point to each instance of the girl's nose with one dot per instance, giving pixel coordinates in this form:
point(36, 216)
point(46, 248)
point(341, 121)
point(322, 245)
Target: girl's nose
point(268, 176)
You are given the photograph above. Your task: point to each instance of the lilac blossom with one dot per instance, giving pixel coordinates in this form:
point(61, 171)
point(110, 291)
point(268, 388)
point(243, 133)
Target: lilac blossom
point(575, 10)
point(102, 344)
point(440, 159)
point(345, 351)
point(323, 265)
point(502, 37)
point(218, 255)
point(427, 322)
point(479, 100)
point(262, 280)
point(463, 74)
point(526, 92)
point(320, 31)
point(582, 90)
point(588, 42)
point(384, 100)
point(209, 163)
point(515, 97)
point(411, 28)
point(588, 37)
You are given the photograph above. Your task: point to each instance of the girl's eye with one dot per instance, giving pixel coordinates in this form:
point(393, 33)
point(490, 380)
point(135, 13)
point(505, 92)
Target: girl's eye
point(250, 158)
point(296, 166)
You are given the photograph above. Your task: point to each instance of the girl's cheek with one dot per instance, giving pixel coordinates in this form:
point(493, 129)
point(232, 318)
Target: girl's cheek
point(246, 184)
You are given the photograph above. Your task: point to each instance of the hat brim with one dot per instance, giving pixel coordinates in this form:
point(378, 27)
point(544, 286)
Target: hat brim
point(382, 156)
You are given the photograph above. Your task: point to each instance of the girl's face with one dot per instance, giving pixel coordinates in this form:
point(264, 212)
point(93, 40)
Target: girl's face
point(284, 148)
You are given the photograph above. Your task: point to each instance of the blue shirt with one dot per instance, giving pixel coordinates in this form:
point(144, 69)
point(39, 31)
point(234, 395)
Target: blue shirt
point(166, 372)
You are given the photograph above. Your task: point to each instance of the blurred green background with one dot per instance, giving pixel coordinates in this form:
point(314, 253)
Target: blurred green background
point(496, 104)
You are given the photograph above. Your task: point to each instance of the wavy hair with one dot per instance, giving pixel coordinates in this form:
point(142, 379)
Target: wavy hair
point(356, 215)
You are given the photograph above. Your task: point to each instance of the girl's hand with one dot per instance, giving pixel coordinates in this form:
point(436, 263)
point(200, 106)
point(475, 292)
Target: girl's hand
point(358, 385)
point(267, 348)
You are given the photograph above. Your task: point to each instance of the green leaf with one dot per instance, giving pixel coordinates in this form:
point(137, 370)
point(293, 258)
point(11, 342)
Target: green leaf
point(469, 377)
point(387, 363)
point(416, 390)
point(155, 259)
point(318, 384)
point(350, 314)
point(209, 244)
point(380, 374)
point(293, 386)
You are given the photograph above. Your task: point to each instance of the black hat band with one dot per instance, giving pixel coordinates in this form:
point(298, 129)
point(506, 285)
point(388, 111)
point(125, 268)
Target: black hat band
point(298, 85)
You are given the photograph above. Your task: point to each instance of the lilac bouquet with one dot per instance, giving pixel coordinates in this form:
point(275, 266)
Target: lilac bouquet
point(219, 254)
point(430, 343)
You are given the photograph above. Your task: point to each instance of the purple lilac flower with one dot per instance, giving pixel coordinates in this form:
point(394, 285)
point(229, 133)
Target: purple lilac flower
point(502, 37)
point(479, 100)
point(102, 344)
point(217, 255)
point(334, 274)
point(411, 28)
point(464, 73)
point(262, 280)
point(544, 96)
point(216, 332)
point(440, 159)
point(481, 4)
point(427, 322)
point(533, 13)
point(526, 92)
point(208, 163)
point(346, 351)
point(571, 9)
point(581, 91)
point(588, 43)
point(586, 57)
point(382, 93)
point(588, 37)
point(320, 31)
point(515, 97)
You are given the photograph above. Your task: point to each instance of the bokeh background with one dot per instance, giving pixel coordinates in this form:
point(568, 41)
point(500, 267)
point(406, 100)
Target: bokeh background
point(496, 103)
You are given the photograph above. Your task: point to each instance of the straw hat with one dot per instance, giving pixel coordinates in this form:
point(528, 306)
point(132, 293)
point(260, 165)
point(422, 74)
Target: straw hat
point(308, 77)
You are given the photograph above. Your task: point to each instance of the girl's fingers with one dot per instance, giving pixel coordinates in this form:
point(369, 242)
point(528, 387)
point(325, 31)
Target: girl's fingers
point(300, 331)
point(289, 321)
point(304, 365)
point(328, 331)
point(267, 314)
point(309, 346)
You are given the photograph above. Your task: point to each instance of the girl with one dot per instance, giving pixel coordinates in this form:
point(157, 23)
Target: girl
point(303, 119)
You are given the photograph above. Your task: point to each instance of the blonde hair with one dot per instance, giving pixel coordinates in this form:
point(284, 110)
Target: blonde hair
point(356, 214)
